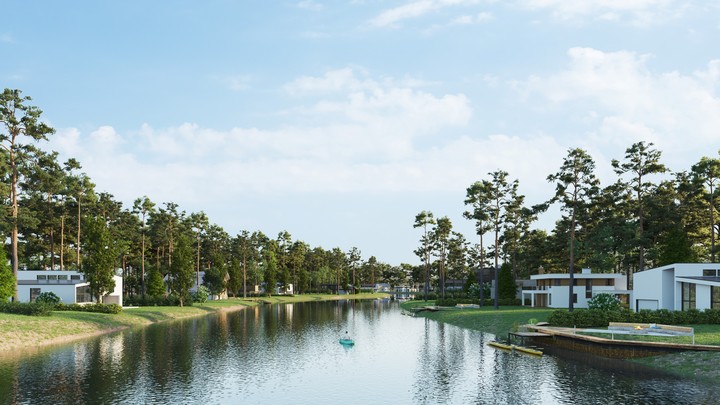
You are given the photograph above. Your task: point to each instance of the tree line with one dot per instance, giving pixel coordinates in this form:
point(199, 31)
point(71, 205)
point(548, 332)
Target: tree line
point(648, 217)
point(56, 219)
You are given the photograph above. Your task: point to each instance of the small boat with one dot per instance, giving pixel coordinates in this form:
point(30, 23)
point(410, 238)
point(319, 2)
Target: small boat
point(523, 349)
point(528, 350)
point(347, 342)
point(500, 345)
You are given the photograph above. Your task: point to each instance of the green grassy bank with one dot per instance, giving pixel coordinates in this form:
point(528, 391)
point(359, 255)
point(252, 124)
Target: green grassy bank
point(487, 319)
point(701, 365)
point(20, 333)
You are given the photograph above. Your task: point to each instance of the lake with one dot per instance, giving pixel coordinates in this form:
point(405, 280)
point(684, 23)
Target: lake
point(289, 354)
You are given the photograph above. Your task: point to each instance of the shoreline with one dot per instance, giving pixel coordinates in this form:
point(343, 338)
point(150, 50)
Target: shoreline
point(686, 364)
point(22, 335)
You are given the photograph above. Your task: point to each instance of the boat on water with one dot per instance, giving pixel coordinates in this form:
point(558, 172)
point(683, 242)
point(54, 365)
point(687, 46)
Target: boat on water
point(347, 342)
point(511, 347)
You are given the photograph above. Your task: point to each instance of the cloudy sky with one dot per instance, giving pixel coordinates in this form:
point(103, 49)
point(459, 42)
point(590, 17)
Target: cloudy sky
point(339, 121)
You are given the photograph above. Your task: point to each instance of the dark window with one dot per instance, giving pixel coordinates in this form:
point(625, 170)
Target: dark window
point(715, 297)
point(574, 298)
point(41, 277)
point(75, 277)
point(688, 296)
point(62, 277)
point(588, 288)
point(710, 273)
point(34, 292)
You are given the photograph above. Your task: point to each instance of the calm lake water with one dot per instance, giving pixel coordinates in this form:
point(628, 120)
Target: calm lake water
point(289, 354)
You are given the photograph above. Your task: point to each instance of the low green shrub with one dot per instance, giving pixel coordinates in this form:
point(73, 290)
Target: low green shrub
point(48, 297)
point(98, 308)
point(26, 308)
point(201, 295)
point(599, 318)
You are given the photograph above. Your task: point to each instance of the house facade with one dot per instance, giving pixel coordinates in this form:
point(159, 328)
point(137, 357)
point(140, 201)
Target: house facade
point(678, 287)
point(70, 286)
point(553, 290)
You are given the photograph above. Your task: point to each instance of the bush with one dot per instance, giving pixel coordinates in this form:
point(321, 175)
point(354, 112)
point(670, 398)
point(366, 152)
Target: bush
point(97, 308)
point(605, 302)
point(201, 295)
point(48, 297)
point(26, 308)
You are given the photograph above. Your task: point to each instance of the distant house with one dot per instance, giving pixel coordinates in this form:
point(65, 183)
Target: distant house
point(279, 290)
point(70, 286)
point(552, 290)
point(678, 287)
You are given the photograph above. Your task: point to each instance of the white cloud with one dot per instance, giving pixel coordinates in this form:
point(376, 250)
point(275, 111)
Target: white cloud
point(364, 140)
point(630, 102)
point(638, 12)
point(7, 38)
point(414, 9)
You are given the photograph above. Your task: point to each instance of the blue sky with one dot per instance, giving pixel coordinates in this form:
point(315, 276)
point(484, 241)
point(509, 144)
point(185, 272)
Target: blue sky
point(339, 121)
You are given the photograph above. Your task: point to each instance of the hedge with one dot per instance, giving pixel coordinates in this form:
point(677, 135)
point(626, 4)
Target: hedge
point(26, 308)
point(599, 318)
point(99, 308)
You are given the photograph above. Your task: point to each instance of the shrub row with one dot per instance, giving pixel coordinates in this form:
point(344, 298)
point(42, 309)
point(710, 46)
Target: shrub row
point(600, 318)
point(451, 302)
point(155, 301)
point(26, 308)
point(99, 308)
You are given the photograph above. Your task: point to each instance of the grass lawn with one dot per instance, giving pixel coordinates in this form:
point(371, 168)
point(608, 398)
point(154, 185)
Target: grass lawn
point(487, 319)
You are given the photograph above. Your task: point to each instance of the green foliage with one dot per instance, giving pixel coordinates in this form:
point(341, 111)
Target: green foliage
point(7, 279)
point(601, 318)
point(155, 284)
point(215, 280)
point(201, 295)
point(155, 301)
point(506, 283)
point(101, 253)
point(181, 270)
point(97, 308)
point(605, 302)
point(48, 297)
point(26, 308)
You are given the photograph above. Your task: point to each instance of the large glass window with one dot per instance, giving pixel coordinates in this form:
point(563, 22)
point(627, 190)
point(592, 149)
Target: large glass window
point(710, 273)
point(82, 294)
point(715, 297)
point(688, 296)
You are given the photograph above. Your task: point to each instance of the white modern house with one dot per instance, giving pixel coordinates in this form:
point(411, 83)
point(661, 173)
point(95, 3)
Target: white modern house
point(678, 287)
point(69, 285)
point(552, 290)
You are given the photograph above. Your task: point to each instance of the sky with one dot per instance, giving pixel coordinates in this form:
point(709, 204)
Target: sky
point(339, 121)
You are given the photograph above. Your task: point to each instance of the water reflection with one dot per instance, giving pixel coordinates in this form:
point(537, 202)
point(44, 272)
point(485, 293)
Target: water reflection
point(290, 354)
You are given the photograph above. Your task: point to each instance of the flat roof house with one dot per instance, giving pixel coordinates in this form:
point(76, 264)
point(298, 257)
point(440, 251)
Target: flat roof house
point(678, 287)
point(70, 286)
point(552, 290)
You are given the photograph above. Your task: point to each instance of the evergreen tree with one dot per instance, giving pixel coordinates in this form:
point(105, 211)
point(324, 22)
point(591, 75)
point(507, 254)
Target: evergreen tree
point(507, 287)
point(100, 255)
point(155, 283)
point(182, 268)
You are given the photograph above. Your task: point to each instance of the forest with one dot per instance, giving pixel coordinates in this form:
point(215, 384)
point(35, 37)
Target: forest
point(56, 219)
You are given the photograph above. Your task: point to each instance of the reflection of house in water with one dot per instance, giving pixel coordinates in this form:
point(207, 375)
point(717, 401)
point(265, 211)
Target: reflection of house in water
point(69, 285)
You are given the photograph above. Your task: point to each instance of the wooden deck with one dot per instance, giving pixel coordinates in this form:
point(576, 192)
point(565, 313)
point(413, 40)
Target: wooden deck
point(615, 348)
